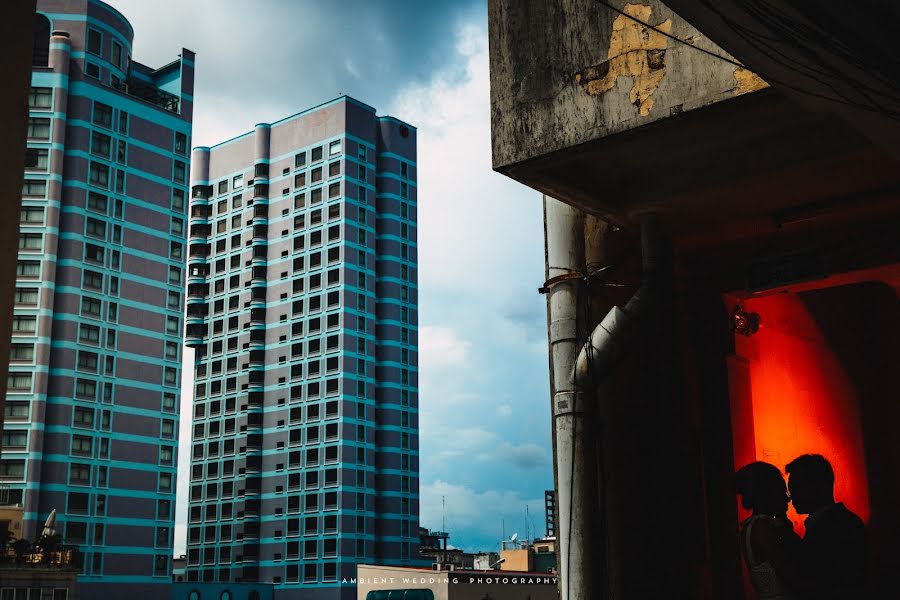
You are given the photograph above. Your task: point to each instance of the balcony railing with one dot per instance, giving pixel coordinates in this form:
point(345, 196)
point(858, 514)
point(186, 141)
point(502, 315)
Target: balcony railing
point(61, 557)
point(149, 93)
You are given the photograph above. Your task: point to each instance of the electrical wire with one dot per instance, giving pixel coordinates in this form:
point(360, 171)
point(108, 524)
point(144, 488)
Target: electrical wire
point(669, 35)
point(760, 43)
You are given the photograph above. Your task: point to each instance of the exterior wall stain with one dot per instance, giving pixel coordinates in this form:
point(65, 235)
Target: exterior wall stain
point(635, 51)
point(747, 81)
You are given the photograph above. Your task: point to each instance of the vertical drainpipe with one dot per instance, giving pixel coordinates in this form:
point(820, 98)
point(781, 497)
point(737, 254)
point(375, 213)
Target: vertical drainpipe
point(579, 373)
point(565, 257)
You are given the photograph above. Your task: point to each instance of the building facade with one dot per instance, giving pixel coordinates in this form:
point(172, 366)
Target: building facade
point(91, 416)
point(302, 310)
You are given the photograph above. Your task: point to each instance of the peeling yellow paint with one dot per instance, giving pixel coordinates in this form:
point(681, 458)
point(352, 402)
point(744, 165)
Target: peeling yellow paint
point(747, 81)
point(635, 51)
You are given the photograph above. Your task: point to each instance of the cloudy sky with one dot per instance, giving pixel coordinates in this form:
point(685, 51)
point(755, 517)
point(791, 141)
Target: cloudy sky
point(485, 425)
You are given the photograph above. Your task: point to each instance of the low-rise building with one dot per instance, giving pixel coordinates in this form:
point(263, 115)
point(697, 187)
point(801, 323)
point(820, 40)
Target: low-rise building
point(380, 583)
point(39, 581)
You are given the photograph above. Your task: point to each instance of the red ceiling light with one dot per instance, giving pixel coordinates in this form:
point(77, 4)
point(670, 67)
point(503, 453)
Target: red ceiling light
point(744, 322)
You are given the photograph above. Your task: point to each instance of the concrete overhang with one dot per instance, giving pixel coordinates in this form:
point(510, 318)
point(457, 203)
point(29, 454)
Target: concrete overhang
point(678, 130)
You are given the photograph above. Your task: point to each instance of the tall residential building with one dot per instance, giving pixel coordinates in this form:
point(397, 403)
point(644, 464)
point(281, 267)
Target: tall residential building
point(302, 308)
point(93, 391)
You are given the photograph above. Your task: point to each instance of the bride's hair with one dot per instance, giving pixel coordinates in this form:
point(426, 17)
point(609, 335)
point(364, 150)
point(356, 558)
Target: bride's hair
point(756, 482)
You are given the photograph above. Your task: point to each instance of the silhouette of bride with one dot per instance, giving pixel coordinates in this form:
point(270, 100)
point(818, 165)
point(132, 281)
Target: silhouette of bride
point(769, 543)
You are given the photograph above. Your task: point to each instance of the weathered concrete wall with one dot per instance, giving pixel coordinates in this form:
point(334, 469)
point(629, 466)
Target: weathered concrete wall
point(572, 71)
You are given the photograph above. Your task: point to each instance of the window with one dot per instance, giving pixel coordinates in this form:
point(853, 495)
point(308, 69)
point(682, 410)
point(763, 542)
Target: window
point(94, 41)
point(170, 376)
point(180, 143)
point(334, 148)
point(24, 324)
point(12, 469)
point(178, 199)
point(28, 268)
point(79, 474)
point(87, 361)
point(17, 381)
point(15, 410)
point(31, 214)
point(97, 202)
point(163, 509)
point(39, 129)
point(161, 565)
point(30, 241)
point(95, 228)
point(179, 171)
point(316, 154)
point(21, 352)
point(94, 253)
point(116, 56)
point(237, 182)
point(334, 169)
point(27, 296)
point(300, 160)
point(82, 445)
point(102, 115)
point(99, 175)
point(85, 389)
point(37, 159)
point(89, 334)
point(92, 280)
point(123, 121)
point(34, 187)
point(334, 190)
point(223, 186)
point(90, 306)
point(92, 70)
point(40, 97)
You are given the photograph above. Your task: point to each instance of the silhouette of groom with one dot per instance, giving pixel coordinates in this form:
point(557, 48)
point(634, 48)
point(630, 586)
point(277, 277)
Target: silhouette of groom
point(833, 551)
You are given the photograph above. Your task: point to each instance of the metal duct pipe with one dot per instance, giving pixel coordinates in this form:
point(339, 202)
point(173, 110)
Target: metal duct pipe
point(607, 342)
point(565, 263)
point(577, 371)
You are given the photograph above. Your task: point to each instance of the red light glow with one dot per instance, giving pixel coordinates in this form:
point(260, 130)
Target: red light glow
point(799, 401)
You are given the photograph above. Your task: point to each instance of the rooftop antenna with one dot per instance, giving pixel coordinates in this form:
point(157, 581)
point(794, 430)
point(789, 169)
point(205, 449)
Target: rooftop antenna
point(444, 519)
point(526, 525)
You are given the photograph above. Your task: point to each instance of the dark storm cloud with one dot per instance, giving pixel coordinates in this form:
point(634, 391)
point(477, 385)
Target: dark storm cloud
point(525, 456)
point(525, 314)
point(292, 54)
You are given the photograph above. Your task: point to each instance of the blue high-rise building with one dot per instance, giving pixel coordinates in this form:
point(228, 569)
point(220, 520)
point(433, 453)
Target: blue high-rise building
point(92, 403)
point(302, 308)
